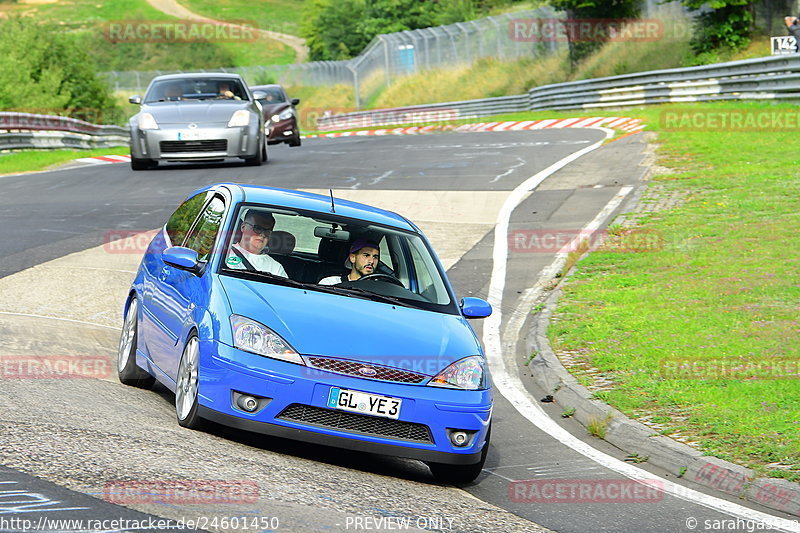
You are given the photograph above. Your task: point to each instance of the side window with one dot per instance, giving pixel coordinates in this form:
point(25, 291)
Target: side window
point(205, 232)
point(181, 220)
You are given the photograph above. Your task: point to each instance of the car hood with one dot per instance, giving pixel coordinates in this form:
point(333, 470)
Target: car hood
point(316, 323)
point(203, 111)
point(271, 109)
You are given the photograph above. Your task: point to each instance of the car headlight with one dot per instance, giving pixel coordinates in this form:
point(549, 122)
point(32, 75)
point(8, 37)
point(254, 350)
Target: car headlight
point(468, 373)
point(240, 118)
point(250, 336)
point(286, 114)
point(147, 122)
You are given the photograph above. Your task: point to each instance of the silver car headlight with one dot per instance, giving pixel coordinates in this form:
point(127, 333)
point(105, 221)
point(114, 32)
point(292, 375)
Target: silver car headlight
point(468, 373)
point(239, 119)
point(251, 336)
point(147, 122)
point(286, 114)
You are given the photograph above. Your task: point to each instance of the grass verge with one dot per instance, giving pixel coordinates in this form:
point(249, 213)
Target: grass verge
point(701, 334)
point(33, 160)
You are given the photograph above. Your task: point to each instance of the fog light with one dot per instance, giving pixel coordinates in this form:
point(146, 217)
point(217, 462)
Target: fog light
point(247, 403)
point(459, 438)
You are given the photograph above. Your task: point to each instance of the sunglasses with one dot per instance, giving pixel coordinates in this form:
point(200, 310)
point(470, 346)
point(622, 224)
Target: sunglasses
point(261, 230)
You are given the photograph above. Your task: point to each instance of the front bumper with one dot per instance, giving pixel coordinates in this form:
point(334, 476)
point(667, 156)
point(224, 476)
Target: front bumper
point(282, 131)
point(177, 142)
point(287, 387)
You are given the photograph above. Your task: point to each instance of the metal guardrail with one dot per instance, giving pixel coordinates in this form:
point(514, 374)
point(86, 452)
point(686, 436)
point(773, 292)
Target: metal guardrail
point(771, 78)
point(27, 130)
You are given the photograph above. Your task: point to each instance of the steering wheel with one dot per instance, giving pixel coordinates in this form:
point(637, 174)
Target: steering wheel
point(382, 277)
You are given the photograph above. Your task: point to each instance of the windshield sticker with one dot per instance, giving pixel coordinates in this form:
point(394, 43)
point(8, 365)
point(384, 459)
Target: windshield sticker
point(234, 261)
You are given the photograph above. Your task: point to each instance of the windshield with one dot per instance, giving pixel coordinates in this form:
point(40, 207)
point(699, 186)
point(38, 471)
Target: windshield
point(180, 90)
point(272, 95)
point(326, 253)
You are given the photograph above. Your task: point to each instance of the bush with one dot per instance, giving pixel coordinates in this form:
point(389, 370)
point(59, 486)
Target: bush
point(47, 71)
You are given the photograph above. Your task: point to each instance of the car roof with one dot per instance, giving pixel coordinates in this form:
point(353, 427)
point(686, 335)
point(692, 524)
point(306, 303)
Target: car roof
point(199, 75)
point(314, 202)
point(267, 86)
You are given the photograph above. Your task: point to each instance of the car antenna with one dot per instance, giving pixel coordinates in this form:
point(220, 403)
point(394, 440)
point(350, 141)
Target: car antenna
point(333, 207)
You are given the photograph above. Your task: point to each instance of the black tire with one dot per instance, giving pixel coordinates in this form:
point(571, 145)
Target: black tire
point(461, 474)
point(295, 142)
point(186, 389)
point(143, 164)
point(127, 370)
point(259, 159)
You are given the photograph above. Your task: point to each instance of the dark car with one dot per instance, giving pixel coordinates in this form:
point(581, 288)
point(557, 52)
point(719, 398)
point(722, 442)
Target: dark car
point(280, 116)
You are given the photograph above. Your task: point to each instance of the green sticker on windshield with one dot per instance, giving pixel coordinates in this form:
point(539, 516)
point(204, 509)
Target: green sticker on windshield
point(234, 261)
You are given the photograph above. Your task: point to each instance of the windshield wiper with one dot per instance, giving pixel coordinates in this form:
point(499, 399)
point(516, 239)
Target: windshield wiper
point(278, 280)
point(358, 291)
point(330, 289)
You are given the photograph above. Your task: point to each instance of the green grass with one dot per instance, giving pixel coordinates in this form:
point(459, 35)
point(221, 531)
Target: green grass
point(89, 17)
point(723, 287)
point(32, 160)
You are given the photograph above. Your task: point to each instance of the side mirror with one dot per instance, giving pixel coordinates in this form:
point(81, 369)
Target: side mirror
point(295, 101)
point(181, 257)
point(475, 308)
point(135, 99)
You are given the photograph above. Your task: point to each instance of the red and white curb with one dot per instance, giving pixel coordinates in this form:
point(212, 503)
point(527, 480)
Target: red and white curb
point(626, 124)
point(104, 159)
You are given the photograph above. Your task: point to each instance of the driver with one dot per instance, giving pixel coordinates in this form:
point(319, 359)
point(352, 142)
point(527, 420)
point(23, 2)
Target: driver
point(364, 256)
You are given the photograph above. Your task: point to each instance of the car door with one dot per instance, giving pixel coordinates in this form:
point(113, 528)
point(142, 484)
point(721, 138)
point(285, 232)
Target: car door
point(178, 292)
point(152, 329)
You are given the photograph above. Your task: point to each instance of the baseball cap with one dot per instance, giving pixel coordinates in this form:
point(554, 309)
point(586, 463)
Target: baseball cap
point(362, 243)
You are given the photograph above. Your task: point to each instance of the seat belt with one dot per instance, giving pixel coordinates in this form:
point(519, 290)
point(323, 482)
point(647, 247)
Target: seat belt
point(248, 265)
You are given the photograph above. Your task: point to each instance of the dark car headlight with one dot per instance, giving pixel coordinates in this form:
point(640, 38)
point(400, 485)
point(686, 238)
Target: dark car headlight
point(286, 114)
point(468, 373)
point(252, 336)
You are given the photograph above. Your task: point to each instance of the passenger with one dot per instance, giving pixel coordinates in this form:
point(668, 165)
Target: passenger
point(248, 252)
point(364, 257)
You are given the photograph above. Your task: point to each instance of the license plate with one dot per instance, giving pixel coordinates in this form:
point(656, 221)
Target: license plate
point(192, 135)
point(361, 402)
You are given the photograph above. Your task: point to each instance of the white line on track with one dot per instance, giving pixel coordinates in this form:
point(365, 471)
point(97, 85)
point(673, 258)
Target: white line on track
point(507, 381)
point(28, 315)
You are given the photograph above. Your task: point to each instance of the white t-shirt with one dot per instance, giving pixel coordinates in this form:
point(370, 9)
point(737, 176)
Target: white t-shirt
point(333, 280)
point(262, 262)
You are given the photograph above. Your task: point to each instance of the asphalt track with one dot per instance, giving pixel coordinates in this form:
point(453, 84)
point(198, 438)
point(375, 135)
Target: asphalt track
point(83, 434)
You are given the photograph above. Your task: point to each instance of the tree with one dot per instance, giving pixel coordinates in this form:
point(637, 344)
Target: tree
point(727, 24)
point(47, 71)
point(617, 10)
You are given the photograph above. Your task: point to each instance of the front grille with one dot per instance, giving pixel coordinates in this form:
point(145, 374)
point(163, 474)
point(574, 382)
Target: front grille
point(213, 145)
point(356, 423)
point(351, 368)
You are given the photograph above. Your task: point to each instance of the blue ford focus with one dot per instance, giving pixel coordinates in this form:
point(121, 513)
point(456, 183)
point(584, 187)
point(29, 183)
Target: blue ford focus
point(310, 318)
